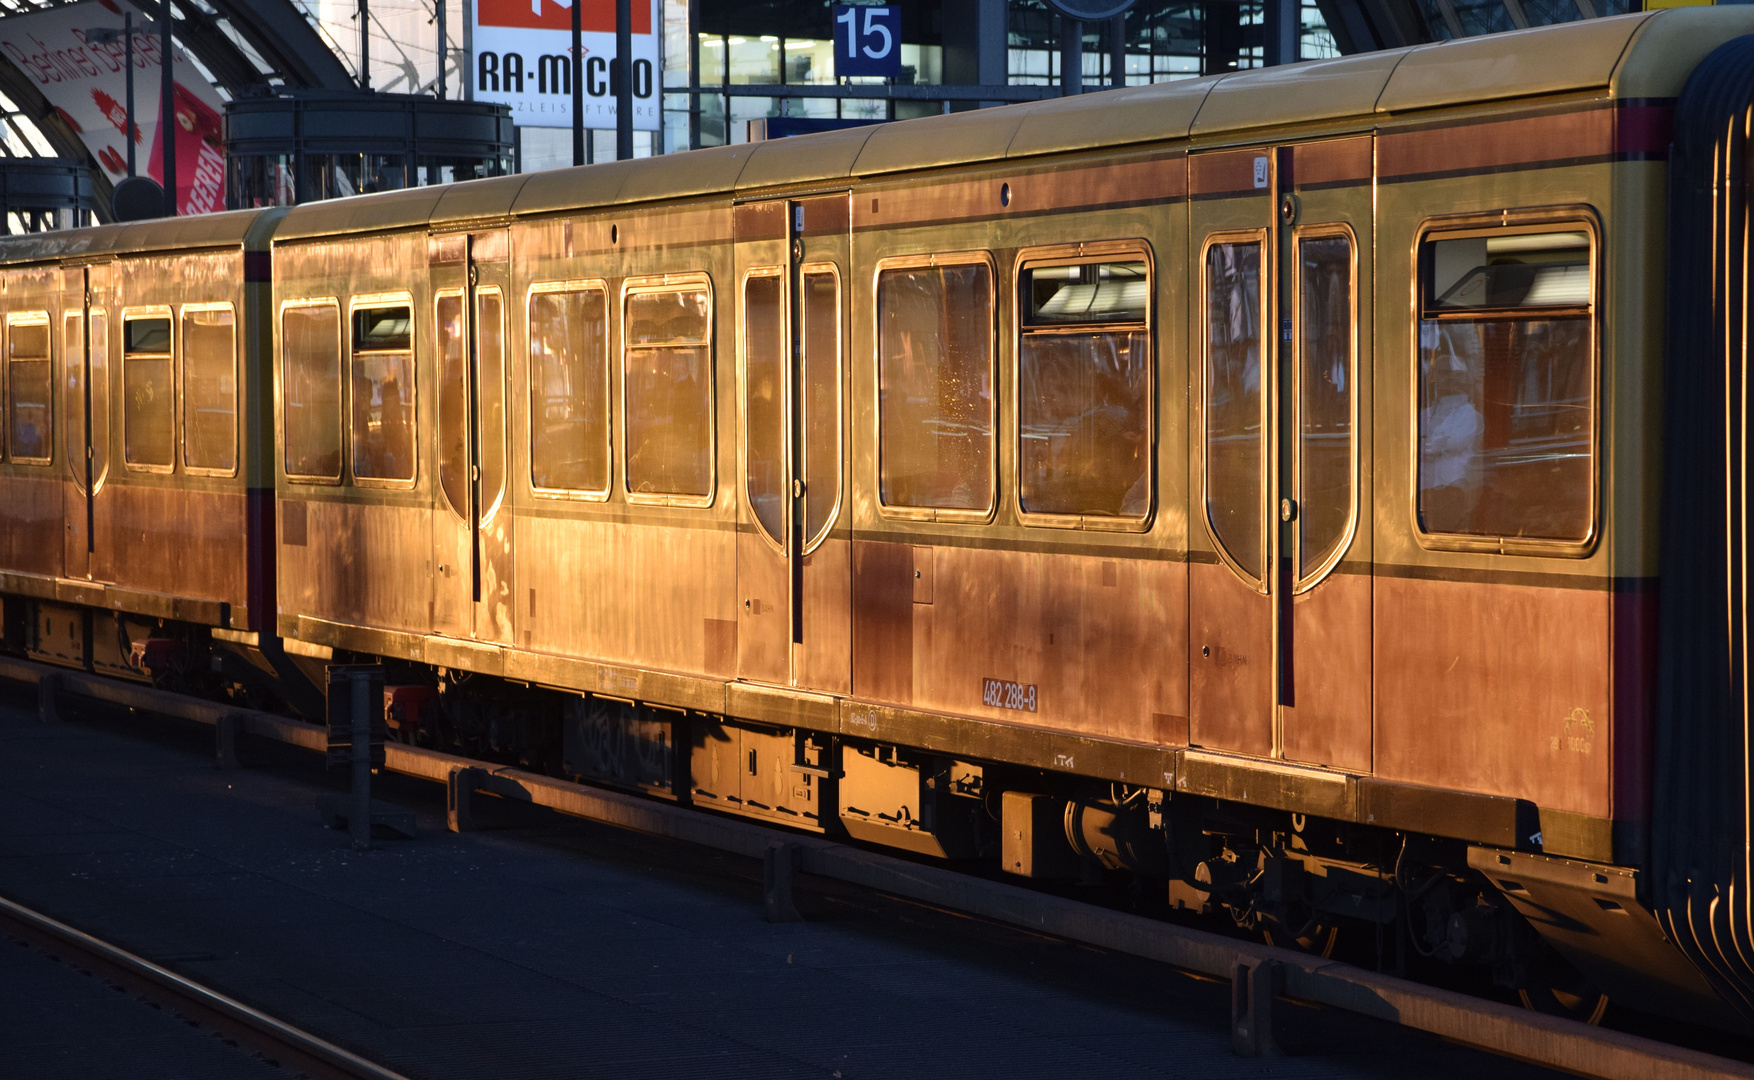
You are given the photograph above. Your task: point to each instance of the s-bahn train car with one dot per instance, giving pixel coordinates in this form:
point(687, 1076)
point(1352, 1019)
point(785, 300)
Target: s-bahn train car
point(136, 490)
point(1258, 484)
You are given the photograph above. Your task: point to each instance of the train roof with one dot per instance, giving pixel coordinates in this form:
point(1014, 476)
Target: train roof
point(1643, 55)
point(234, 228)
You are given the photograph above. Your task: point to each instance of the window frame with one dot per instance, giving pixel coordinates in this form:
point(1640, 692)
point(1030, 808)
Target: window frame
point(672, 283)
point(1302, 583)
point(572, 285)
point(1260, 583)
point(280, 388)
point(402, 298)
point(811, 543)
point(140, 312)
point(30, 318)
point(1072, 255)
point(951, 515)
point(1515, 222)
point(183, 397)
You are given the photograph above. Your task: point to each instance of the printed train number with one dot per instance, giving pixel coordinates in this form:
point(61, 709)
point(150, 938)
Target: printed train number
point(999, 694)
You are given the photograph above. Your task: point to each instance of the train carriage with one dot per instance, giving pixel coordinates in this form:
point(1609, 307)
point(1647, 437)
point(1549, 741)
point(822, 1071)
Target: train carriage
point(1258, 484)
point(136, 490)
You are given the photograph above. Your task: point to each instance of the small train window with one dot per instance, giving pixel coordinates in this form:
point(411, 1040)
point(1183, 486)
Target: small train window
point(1235, 399)
point(27, 373)
point(210, 392)
point(935, 385)
point(382, 385)
point(148, 392)
point(310, 356)
point(569, 389)
point(1507, 384)
point(668, 383)
point(1084, 386)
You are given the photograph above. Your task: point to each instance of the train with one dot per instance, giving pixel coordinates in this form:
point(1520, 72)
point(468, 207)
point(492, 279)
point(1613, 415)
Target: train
point(1314, 495)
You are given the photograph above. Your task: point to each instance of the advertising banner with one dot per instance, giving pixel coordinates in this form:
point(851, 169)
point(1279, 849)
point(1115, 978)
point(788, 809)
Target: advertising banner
point(87, 85)
point(521, 60)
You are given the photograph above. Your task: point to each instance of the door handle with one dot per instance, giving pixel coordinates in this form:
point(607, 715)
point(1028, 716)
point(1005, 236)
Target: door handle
point(1287, 509)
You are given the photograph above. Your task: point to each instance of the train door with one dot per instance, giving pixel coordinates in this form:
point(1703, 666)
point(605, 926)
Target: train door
point(84, 402)
point(472, 541)
point(1281, 613)
point(794, 576)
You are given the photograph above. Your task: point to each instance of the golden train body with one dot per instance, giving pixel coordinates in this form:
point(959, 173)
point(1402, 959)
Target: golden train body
point(1317, 488)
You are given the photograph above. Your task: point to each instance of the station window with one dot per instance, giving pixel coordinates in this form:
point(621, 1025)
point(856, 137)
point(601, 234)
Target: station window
point(669, 391)
point(382, 384)
point(1235, 401)
point(569, 388)
point(935, 385)
point(1506, 408)
point(310, 342)
point(148, 390)
point(210, 391)
point(27, 374)
point(1084, 386)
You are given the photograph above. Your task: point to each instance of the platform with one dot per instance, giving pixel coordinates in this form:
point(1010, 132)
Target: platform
point(561, 948)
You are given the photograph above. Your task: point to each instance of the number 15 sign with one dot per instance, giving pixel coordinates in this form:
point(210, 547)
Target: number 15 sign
point(867, 40)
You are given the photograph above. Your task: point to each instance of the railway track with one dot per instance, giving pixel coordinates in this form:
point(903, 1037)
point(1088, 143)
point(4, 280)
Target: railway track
point(1260, 974)
point(275, 1039)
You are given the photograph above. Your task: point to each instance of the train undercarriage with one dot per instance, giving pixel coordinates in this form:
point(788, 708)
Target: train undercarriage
point(1387, 898)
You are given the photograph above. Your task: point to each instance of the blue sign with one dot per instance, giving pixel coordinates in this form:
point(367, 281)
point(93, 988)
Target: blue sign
point(867, 40)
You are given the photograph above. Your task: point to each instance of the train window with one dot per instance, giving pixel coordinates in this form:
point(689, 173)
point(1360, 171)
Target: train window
point(1235, 403)
point(935, 385)
point(73, 391)
point(210, 392)
point(1084, 386)
point(27, 375)
point(822, 407)
point(310, 345)
point(1326, 398)
point(453, 402)
point(148, 391)
point(668, 384)
point(490, 398)
point(569, 389)
point(382, 386)
point(764, 400)
point(1507, 410)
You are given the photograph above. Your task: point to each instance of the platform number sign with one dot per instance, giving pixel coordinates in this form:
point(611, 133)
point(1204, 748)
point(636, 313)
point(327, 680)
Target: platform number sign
point(867, 40)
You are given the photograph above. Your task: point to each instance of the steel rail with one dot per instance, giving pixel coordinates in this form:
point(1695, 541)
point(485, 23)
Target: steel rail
point(1534, 1037)
point(275, 1031)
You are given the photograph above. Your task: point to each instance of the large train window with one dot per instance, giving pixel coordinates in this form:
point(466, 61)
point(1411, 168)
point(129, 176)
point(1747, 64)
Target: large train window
point(310, 356)
point(1507, 385)
point(148, 391)
point(667, 383)
point(1235, 412)
point(27, 375)
point(210, 390)
point(381, 383)
point(1084, 384)
point(569, 388)
point(935, 385)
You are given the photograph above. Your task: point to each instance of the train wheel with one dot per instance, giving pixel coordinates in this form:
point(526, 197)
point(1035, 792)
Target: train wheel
point(1316, 939)
point(1557, 989)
